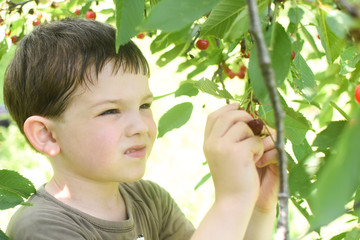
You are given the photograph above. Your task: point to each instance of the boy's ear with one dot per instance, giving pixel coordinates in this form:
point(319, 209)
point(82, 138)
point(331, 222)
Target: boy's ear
point(39, 133)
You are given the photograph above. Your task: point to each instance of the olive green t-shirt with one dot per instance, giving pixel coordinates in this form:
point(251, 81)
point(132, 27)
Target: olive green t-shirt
point(152, 214)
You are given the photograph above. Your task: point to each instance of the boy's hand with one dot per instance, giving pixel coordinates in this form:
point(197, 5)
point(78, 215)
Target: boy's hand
point(269, 175)
point(232, 150)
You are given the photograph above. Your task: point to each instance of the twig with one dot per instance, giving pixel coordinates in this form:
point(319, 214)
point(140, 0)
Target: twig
point(12, 5)
point(350, 8)
point(197, 34)
point(282, 231)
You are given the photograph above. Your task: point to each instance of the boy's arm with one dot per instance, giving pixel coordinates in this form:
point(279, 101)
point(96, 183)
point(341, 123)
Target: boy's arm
point(231, 150)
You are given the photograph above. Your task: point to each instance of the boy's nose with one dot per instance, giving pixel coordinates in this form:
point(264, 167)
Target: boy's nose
point(137, 124)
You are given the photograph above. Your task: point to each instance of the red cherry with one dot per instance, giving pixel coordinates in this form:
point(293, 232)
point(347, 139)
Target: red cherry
point(91, 15)
point(14, 39)
point(141, 36)
point(36, 22)
point(247, 55)
point(228, 71)
point(242, 71)
point(357, 94)
point(256, 126)
point(77, 12)
point(202, 44)
point(241, 74)
point(293, 54)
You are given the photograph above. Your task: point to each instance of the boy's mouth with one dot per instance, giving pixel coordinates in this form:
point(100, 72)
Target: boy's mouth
point(138, 151)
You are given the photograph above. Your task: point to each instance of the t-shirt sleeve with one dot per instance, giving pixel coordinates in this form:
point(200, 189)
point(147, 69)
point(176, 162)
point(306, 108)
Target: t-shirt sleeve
point(173, 223)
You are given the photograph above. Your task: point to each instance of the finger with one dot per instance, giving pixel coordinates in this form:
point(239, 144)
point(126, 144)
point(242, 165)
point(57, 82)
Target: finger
point(270, 132)
point(227, 120)
point(238, 132)
point(268, 143)
point(253, 146)
point(212, 118)
point(269, 157)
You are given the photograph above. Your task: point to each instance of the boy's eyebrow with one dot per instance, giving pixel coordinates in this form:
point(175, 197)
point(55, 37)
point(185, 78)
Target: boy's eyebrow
point(149, 96)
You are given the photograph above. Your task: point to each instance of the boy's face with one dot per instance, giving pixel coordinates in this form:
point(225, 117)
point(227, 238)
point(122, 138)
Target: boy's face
point(107, 131)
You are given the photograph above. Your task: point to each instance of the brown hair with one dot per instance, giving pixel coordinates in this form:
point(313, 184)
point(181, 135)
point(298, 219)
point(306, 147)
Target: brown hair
point(55, 58)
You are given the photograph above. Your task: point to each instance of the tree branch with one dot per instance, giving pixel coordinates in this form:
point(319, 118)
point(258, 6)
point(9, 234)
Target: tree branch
point(282, 231)
point(350, 8)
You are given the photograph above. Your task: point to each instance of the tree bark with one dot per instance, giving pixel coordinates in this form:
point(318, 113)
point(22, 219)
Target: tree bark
point(282, 230)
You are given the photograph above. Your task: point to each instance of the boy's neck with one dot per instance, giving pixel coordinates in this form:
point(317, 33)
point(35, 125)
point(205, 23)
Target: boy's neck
point(100, 200)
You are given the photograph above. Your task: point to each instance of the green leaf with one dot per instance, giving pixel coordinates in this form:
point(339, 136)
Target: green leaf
point(302, 151)
point(327, 138)
point(280, 60)
point(339, 23)
point(172, 15)
point(12, 181)
point(299, 181)
point(3, 236)
point(311, 41)
point(280, 54)
point(129, 15)
point(9, 199)
point(356, 204)
point(170, 55)
point(212, 88)
point(186, 88)
point(354, 234)
point(164, 40)
point(339, 178)
point(222, 17)
point(332, 44)
point(174, 118)
point(305, 79)
point(238, 28)
point(348, 60)
point(203, 180)
point(296, 125)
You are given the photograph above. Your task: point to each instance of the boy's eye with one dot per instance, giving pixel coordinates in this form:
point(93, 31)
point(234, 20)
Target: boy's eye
point(145, 106)
point(110, 111)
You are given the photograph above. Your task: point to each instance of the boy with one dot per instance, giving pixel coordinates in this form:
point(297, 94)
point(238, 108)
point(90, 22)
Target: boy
point(88, 109)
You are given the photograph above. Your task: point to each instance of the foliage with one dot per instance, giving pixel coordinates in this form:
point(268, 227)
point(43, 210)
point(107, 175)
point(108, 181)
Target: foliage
point(314, 48)
point(14, 188)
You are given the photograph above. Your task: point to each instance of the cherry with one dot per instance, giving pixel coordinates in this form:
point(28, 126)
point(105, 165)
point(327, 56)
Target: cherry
point(256, 126)
point(14, 39)
point(77, 12)
point(243, 68)
point(357, 93)
point(293, 54)
point(36, 22)
point(247, 55)
point(228, 71)
point(91, 15)
point(241, 74)
point(242, 71)
point(141, 36)
point(202, 44)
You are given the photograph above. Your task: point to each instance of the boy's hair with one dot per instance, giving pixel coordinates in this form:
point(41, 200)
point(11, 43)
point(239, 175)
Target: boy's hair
point(56, 58)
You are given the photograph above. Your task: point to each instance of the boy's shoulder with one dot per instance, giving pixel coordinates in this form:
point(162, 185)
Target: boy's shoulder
point(146, 202)
point(41, 215)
